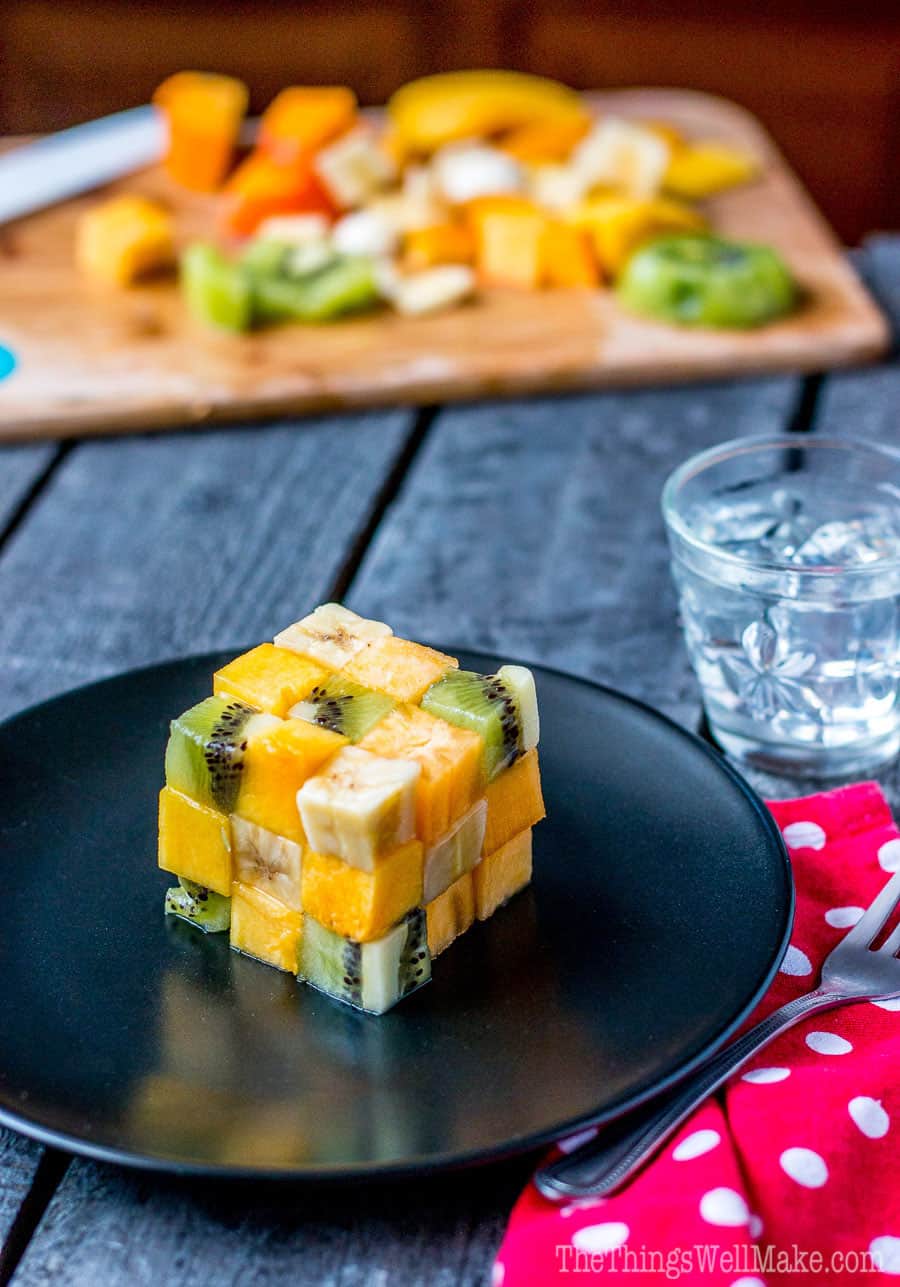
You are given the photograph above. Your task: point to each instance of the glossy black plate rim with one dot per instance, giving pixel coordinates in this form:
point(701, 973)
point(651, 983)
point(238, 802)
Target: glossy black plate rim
point(361, 1172)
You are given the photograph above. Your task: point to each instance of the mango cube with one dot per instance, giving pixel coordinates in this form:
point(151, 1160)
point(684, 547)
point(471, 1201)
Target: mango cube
point(194, 841)
point(501, 874)
point(514, 802)
point(363, 905)
point(276, 765)
point(403, 670)
point(263, 927)
point(124, 239)
point(450, 914)
point(269, 678)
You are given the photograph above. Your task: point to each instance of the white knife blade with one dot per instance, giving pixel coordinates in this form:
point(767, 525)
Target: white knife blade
point(75, 160)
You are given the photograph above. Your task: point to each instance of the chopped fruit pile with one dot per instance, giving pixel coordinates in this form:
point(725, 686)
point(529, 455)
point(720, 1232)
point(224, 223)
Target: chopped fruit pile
point(472, 180)
point(348, 803)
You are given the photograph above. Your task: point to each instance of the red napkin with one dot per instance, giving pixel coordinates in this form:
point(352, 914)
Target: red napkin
point(794, 1176)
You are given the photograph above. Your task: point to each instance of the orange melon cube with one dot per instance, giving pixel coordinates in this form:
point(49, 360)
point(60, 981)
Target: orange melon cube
point(444, 243)
point(269, 678)
point(501, 874)
point(302, 118)
point(450, 914)
point(194, 841)
point(542, 141)
point(398, 667)
point(567, 258)
point(514, 802)
point(450, 762)
point(276, 764)
point(263, 927)
point(362, 905)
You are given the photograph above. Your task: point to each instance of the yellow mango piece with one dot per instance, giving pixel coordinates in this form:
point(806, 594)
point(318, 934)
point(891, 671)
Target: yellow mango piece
point(263, 927)
point(510, 248)
point(362, 905)
point(514, 802)
point(450, 762)
point(567, 257)
point(450, 914)
point(269, 678)
point(501, 874)
point(435, 110)
point(276, 764)
point(619, 225)
point(543, 141)
point(700, 170)
point(194, 842)
point(445, 243)
point(398, 667)
point(123, 239)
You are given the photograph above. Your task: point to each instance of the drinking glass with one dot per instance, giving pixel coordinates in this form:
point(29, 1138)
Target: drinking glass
point(786, 556)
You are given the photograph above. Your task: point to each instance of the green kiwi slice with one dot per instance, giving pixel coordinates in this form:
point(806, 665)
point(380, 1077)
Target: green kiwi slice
point(198, 905)
point(206, 751)
point(369, 976)
point(344, 707)
point(706, 281)
point(501, 708)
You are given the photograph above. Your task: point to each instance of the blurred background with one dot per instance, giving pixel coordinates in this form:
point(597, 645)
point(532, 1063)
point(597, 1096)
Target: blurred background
point(823, 75)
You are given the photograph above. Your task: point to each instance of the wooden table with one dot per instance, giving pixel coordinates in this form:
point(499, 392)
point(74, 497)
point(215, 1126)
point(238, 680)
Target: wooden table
point(529, 528)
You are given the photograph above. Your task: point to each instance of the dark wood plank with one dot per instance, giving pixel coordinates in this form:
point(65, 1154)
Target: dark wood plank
point(19, 1160)
point(122, 1229)
point(153, 547)
point(20, 469)
point(534, 530)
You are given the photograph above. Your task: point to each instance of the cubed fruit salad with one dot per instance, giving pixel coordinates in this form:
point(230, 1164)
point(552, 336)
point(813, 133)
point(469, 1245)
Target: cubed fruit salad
point(347, 804)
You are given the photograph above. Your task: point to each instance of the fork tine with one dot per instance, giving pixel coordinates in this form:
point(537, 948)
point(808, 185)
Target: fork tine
point(891, 945)
point(876, 914)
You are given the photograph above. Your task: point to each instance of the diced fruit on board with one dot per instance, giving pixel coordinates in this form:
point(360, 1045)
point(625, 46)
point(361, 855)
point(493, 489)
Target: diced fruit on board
point(623, 155)
point(450, 914)
point(567, 258)
point(198, 905)
point(501, 874)
point(206, 749)
point(340, 285)
point(365, 232)
point(699, 170)
point(263, 927)
point(217, 291)
point(262, 186)
point(340, 835)
point(509, 248)
point(369, 976)
point(543, 141)
point(455, 853)
point(276, 765)
point(464, 171)
point(343, 706)
point(402, 669)
point(449, 759)
point(435, 110)
point(266, 861)
point(619, 225)
point(203, 113)
point(360, 807)
point(269, 678)
point(331, 635)
point(194, 841)
point(432, 291)
point(439, 244)
point(302, 118)
point(363, 905)
point(124, 239)
point(500, 708)
point(705, 281)
point(354, 169)
point(514, 802)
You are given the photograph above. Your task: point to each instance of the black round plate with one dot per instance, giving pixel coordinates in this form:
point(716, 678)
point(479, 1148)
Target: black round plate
point(661, 905)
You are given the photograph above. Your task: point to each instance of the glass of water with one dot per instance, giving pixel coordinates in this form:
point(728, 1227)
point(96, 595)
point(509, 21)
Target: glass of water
point(786, 556)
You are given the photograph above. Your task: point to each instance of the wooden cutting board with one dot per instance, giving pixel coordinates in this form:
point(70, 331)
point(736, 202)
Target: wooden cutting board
point(92, 361)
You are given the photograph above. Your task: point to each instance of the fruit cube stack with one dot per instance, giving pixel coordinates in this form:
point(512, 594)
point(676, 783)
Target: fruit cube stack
point(347, 803)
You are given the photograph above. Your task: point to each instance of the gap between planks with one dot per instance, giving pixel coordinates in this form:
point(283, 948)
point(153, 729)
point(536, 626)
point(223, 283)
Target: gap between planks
point(47, 1178)
point(32, 492)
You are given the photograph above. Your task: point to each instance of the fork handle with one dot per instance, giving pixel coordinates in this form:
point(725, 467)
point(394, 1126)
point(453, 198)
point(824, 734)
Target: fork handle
point(604, 1164)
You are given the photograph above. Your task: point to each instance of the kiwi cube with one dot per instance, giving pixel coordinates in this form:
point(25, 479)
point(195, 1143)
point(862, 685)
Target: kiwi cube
point(206, 750)
point(209, 911)
point(369, 976)
point(344, 707)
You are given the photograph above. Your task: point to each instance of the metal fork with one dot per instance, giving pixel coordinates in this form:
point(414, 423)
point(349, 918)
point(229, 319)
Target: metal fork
point(852, 972)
